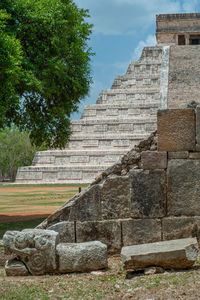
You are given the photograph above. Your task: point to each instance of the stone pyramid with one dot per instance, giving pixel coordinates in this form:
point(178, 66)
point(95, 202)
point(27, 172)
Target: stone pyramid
point(121, 117)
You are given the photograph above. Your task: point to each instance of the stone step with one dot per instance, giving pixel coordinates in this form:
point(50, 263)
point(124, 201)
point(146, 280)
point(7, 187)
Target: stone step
point(58, 174)
point(151, 53)
point(131, 110)
point(103, 140)
point(150, 100)
point(136, 83)
point(115, 120)
point(128, 96)
point(139, 75)
point(138, 78)
point(121, 117)
point(137, 99)
point(78, 157)
point(119, 125)
point(143, 68)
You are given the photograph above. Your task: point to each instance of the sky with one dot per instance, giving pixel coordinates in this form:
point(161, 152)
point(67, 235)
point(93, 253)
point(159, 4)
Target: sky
point(121, 29)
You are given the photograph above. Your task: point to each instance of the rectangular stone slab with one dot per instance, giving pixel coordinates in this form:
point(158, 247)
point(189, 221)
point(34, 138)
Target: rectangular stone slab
point(154, 160)
point(183, 187)
point(148, 193)
point(176, 254)
point(176, 129)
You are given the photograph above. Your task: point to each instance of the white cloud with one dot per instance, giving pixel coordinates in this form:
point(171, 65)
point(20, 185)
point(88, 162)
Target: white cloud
point(124, 16)
point(150, 41)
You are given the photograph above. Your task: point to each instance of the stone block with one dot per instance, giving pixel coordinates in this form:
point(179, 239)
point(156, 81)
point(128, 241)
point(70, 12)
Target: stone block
point(121, 143)
point(140, 231)
point(115, 198)
point(183, 187)
point(69, 174)
point(50, 176)
point(175, 254)
point(154, 160)
point(148, 193)
point(15, 268)
point(180, 227)
point(176, 129)
point(79, 159)
point(82, 257)
point(178, 155)
point(194, 155)
point(66, 231)
point(22, 174)
point(108, 232)
point(198, 125)
point(87, 205)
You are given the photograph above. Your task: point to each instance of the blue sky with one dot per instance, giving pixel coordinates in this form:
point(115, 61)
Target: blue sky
point(121, 29)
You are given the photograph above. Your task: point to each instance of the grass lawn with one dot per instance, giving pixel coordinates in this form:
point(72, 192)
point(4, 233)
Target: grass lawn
point(16, 199)
point(110, 284)
point(19, 200)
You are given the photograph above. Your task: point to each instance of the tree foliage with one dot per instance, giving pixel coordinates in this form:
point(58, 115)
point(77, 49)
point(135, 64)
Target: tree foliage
point(16, 151)
point(44, 66)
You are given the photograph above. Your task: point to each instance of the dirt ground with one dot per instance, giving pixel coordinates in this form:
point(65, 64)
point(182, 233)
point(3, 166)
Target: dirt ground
point(20, 217)
point(26, 212)
point(111, 284)
point(21, 189)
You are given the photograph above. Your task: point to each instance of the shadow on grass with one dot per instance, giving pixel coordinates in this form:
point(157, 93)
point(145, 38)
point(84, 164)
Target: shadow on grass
point(19, 225)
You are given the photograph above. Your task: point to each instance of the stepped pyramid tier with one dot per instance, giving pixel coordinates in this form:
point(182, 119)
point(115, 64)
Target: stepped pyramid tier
point(166, 76)
point(122, 116)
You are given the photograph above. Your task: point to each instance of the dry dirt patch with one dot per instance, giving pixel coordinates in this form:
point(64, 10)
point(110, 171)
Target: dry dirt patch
point(28, 202)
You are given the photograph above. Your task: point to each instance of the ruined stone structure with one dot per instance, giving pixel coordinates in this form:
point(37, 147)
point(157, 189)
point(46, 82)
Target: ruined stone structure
point(151, 195)
point(167, 75)
point(122, 116)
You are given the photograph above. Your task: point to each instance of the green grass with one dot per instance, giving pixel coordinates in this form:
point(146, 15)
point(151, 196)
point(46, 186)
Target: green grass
point(19, 225)
point(110, 285)
point(6, 185)
point(13, 199)
point(22, 200)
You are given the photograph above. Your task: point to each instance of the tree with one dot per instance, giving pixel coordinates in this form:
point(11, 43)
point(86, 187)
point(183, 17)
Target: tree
point(48, 63)
point(15, 151)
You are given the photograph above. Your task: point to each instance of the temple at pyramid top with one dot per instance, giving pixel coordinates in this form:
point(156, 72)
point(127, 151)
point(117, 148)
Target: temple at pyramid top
point(166, 76)
point(178, 29)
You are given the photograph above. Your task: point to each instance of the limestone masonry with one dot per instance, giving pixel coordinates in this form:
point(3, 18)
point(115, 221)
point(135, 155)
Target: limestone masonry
point(151, 195)
point(166, 76)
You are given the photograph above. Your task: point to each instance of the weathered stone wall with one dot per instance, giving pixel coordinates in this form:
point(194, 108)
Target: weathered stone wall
point(166, 39)
point(169, 26)
point(152, 194)
point(184, 75)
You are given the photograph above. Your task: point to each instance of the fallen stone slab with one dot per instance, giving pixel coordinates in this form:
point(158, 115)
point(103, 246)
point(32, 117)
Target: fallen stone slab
point(82, 257)
point(173, 254)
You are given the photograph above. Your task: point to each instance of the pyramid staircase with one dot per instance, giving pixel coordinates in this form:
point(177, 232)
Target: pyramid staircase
point(121, 117)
